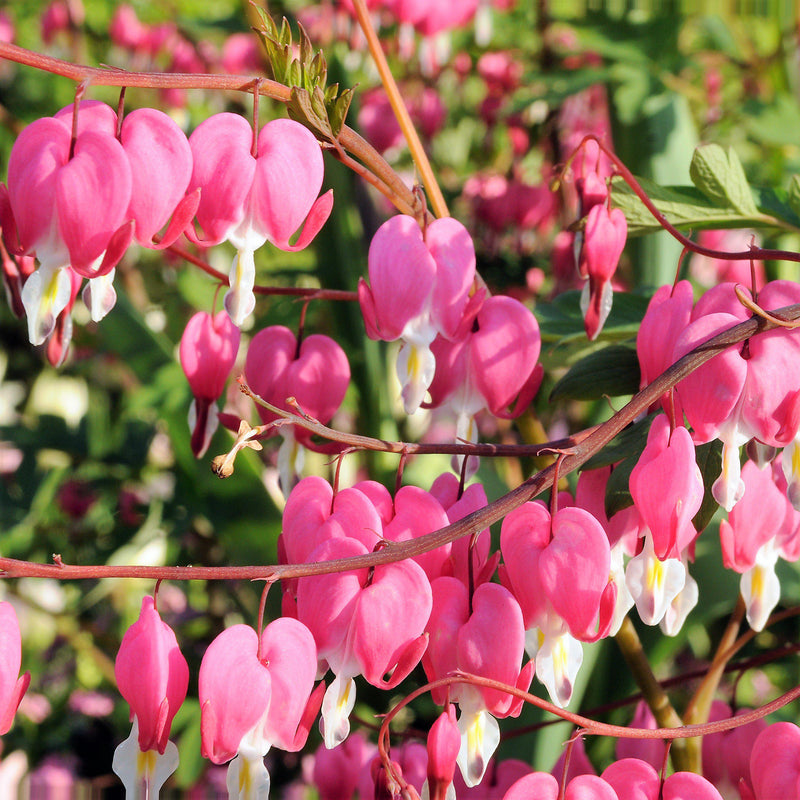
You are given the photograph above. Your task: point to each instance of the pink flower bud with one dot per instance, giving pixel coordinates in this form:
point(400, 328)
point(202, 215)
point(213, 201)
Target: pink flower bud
point(12, 685)
point(208, 351)
point(444, 742)
point(152, 676)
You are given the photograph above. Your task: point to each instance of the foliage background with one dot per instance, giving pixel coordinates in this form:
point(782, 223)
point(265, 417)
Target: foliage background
point(106, 472)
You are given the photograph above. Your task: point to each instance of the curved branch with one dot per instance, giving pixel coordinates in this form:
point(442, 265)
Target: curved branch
point(472, 523)
point(388, 181)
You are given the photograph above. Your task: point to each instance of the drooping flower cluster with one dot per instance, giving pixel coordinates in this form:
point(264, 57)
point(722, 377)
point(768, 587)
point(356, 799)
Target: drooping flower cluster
point(81, 189)
point(469, 351)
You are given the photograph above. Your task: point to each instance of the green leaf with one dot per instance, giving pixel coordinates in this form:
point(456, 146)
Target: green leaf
point(561, 326)
point(683, 206)
point(294, 74)
point(318, 70)
point(618, 493)
point(709, 460)
point(339, 112)
point(627, 443)
point(303, 108)
point(318, 104)
point(306, 50)
point(720, 176)
point(611, 372)
point(793, 198)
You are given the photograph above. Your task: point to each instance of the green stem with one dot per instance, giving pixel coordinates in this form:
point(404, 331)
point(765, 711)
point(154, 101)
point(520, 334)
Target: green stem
point(653, 692)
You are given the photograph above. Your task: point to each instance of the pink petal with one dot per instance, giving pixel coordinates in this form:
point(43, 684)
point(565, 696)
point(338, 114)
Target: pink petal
point(454, 253)
point(390, 615)
point(688, 786)
point(161, 163)
point(574, 568)
point(208, 351)
point(726, 373)
point(397, 249)
point(754, 520)
point(319, 378)
point(12, 687)
point(234, 691)
point(327, 603)
point(775, 761)
point(667, 487)
point(287, 180)
point(93, 192)
point(632, 778)
point(38, 155)
point(503, 351)
point(589, 787)
point(224, 171)
point(150, 672)
point(539, 785)
point(289, 652)
point(449, 611)
point(524, 534)
point(269, 355)
point(666, 317)
point(493, 609)
point(93, 115)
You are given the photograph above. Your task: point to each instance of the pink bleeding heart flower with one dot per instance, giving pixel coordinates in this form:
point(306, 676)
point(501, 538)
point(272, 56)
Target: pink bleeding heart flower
point(360, 628)
point(446, 489)
point(444, 742)
point(254, 192)
point(431, 17)
point(493, 366)
point(207, 352)
point(463, 636)
point(419, 288)
point(667, 316)
point(153, 677)
point(314, 372)
point(544, 561)
point(417, 513)
point(313, 515)
point(67, 205)
point(255, 693)
point(12, 685)
point(756, 392)
point(775, 762)
point(726, 755)
point(667, 487)
point(603, 242)
point(753, 538)
point(161, 166)
point(632, 779)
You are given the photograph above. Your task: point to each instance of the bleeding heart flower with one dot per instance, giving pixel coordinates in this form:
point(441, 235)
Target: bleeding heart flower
point(12, 684)
point(67, 205)
point(153, 677)
point(314, 372)
point(255, 693)
point(419, 288)
point(255, 191)
point(208, 351)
